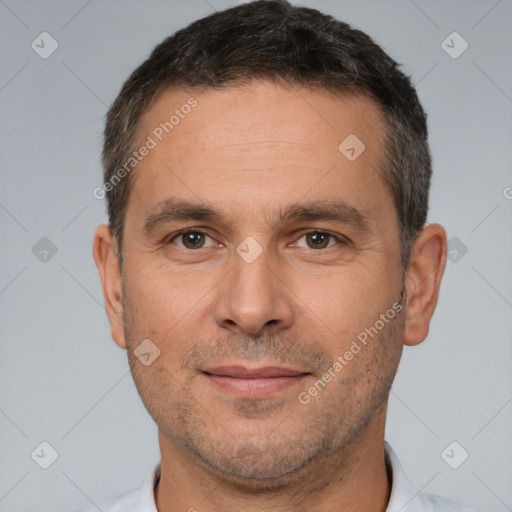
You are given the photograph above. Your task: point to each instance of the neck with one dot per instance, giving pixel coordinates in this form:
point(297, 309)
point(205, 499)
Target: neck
point(338, 482)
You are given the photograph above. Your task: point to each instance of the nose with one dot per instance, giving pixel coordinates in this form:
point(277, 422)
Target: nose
point(254, 298)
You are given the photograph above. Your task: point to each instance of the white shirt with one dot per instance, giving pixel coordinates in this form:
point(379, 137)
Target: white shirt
point(404, 497)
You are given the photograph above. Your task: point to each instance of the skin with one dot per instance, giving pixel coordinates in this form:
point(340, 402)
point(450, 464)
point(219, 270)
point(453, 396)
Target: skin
point(249, 152)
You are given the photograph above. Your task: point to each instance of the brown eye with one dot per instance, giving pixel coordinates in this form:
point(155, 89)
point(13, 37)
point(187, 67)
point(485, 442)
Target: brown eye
point(318, 240)
point(190, 240)
point(193, 240)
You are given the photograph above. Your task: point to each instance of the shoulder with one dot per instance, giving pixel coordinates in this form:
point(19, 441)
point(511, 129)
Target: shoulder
point(141, 500)
point(406, 498)
point(129, 502)
point(430, 503)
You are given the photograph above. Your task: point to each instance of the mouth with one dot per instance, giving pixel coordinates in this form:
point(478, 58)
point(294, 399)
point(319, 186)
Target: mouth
point(255, 383)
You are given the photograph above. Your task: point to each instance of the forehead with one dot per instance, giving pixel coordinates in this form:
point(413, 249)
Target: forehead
point(258, 138)
point(250, 112)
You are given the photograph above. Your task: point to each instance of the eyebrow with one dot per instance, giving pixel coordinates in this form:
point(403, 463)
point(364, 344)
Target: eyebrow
point(172, 210)
point(335, 211)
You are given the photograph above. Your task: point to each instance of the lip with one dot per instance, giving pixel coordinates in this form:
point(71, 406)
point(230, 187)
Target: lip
point(254, 383)
point(242, 372)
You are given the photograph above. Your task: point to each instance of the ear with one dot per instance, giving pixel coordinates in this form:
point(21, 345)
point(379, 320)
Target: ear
point(105, 256)
point(426, 267)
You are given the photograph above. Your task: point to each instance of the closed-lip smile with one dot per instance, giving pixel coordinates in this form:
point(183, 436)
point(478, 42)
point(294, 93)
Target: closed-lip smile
point(256, 383)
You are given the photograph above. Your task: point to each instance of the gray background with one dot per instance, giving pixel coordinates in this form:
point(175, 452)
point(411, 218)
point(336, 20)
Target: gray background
point(62, 378)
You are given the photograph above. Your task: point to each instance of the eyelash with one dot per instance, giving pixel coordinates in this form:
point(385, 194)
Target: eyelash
point(338, 239)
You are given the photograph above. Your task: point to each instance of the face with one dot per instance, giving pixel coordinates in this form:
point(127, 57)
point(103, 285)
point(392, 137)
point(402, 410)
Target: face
point(263, 262)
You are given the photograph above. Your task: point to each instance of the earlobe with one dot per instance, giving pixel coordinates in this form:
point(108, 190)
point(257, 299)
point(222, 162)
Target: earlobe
point(104, 253)
point(426, 268)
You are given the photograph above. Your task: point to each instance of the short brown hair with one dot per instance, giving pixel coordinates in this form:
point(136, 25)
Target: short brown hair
point(272, 40)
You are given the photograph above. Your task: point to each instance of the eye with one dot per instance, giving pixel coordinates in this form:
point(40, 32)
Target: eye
point(190, 239)
point(319, 240)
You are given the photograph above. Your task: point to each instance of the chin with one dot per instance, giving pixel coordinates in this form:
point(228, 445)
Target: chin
point(260, 466)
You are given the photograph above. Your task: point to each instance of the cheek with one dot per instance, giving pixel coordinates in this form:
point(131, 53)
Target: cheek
point(160, 388)
point(345, 302)
point(370, 359)
point(158, 300)
point(169, 310)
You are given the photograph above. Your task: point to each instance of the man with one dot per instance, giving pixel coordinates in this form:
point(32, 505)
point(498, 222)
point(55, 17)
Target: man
point(267, 176)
